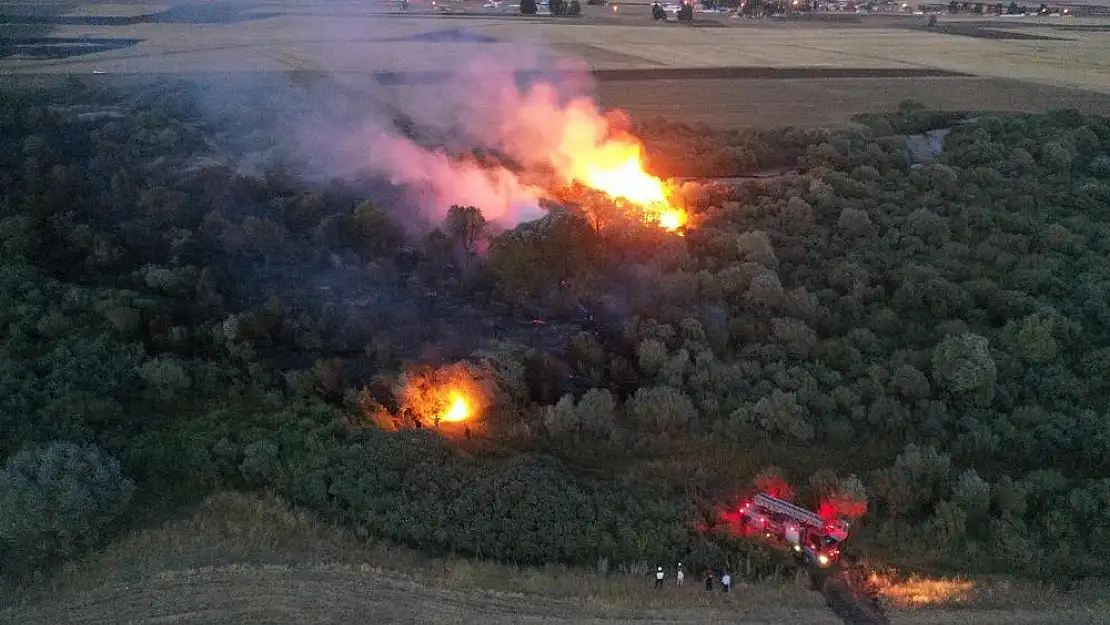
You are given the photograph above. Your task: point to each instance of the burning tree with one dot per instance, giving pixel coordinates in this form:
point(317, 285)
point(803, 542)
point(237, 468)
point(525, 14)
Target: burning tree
point(605, 211)
point(434, 397)
point(606, 179)
point(616, 169)
point(545, 131)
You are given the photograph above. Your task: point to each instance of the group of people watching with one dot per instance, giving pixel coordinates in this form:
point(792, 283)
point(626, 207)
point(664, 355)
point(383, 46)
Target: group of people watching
point(680, 578)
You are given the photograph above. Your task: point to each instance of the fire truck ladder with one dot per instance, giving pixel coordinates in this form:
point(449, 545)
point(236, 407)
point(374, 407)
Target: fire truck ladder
point(796, 513)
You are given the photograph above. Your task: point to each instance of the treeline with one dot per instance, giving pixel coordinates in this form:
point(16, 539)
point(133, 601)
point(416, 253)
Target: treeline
point(931, 338)
point(956, 305)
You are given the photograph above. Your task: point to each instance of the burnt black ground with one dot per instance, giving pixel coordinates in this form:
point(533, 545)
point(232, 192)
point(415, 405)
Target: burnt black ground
point(845, 592)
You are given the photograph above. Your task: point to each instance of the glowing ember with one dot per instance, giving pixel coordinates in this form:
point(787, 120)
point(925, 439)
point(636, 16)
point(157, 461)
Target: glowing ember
point(458, 411)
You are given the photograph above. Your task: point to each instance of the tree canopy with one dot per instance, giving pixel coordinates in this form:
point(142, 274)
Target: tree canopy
point(921, 345)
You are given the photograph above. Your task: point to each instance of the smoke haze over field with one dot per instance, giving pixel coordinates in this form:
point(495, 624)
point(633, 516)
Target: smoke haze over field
point(501, 125)
point(342, 125)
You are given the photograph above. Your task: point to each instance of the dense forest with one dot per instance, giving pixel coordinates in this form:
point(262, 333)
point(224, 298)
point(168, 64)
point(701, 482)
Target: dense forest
point(929, 338)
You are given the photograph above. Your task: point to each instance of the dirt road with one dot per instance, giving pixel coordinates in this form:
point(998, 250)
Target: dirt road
point(237, 595)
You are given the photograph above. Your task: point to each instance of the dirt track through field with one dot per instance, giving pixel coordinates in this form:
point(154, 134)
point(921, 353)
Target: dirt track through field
point(689, 74)
point(241, 560)
point(238, 595)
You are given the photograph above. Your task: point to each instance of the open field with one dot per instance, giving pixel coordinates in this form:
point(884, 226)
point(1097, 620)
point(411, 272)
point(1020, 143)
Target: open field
point(722, 71)
point(831, 101)
point(241, 559)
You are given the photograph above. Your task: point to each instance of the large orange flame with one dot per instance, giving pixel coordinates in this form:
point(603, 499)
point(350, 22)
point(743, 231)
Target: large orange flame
point(459, 409)
point(672, 219)
point(440, 396)
point(610, 161)
point(616, 169)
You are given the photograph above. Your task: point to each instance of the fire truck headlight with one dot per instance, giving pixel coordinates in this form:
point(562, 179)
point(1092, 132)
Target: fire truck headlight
point(823, 559)
point(797, 547)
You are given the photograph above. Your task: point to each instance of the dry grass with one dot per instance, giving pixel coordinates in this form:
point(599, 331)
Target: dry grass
point(920, 599)
point(248, 559)
point(918, 591)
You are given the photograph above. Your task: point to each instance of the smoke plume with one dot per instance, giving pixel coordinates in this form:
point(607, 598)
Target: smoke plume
point(530, 108)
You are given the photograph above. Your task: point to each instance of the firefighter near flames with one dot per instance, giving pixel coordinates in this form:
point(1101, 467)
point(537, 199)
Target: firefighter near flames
point(442, 397)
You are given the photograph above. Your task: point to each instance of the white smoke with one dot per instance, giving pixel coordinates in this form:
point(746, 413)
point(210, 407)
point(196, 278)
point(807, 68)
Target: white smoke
point(482, 102)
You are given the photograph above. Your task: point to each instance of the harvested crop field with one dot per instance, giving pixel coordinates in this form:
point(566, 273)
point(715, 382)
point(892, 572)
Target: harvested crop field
point(236, 595)
point(770, 102)
point(243, 559)
point(739, 72)
point(340, 595)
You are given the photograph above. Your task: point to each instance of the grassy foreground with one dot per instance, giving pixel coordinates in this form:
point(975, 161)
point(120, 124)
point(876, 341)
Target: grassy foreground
point(246, 559)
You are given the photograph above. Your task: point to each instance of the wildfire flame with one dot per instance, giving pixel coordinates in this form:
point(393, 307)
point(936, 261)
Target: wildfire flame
point(672, 219)
point(616, 169)
point(459, 410)
point(539, 131)
point(916, 591)
point(595, 150)
point(442, 396)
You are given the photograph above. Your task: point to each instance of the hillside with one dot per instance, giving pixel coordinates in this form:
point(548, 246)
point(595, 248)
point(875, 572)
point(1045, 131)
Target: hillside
point(199, 296)
point(246, 559)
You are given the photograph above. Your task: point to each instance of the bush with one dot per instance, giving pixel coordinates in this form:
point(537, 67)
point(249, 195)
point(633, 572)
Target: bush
point(963, 364)
point(56, 501)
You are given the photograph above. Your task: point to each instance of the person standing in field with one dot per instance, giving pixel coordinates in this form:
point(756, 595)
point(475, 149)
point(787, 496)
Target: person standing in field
point(726, 582)
point(709, 581)
point(659, 575)
point(680, 575)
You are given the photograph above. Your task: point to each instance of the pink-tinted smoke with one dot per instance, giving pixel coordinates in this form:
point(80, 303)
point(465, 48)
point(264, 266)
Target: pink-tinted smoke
point(547, 124)
point(550, 123)
point(442, 181)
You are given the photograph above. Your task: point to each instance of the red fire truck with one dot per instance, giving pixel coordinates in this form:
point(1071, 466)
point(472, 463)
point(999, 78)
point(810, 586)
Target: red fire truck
point(802, 530)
